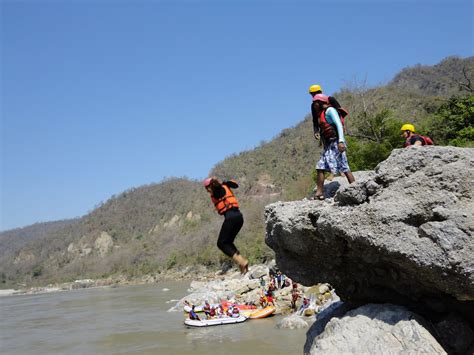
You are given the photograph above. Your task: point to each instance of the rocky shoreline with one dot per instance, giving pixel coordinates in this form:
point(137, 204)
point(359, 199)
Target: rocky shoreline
point(249, 288)
point(199, 273)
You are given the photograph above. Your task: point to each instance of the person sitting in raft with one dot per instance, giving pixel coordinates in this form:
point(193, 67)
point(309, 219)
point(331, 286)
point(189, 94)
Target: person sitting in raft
point(212, 312)
point(230, 311)
point(235, 312)
point(193, 315)
point(220, 311)
point(207, 309)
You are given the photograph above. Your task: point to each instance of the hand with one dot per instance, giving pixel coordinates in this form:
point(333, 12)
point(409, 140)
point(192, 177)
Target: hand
point(341, 147)
point(317, 136)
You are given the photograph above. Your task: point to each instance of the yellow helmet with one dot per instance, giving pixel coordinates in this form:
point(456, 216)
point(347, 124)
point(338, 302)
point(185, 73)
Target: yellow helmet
point(315, 88)
point(408, 127)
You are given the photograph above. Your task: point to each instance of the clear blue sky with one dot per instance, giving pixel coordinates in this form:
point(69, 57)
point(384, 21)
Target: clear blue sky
point(101, 96)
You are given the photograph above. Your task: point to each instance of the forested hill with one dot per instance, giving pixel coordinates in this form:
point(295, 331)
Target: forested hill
point(16, 238)
point(450, 77)
point(172, 223)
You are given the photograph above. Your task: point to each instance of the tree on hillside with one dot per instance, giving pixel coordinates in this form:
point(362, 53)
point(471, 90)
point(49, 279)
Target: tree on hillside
point(372, 129)
point(453, 124)
point(466, 84)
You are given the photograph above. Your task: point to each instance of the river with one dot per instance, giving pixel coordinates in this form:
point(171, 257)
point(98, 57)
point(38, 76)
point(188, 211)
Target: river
point(129, 320)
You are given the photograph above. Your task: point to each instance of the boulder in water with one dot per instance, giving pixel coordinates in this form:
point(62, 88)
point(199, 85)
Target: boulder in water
point(292, 322)
point(373, 329)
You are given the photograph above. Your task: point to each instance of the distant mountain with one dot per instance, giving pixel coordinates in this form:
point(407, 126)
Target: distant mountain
point(443, 79)
point(172, 223)
point(15, 239)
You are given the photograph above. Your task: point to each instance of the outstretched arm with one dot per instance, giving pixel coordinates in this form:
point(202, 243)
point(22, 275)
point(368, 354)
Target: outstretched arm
point(333, 117)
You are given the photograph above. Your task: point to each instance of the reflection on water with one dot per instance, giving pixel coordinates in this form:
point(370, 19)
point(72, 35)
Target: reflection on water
point(129, 320)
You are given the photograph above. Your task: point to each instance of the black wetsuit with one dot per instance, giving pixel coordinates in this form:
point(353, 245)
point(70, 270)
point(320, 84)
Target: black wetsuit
point(233, 222)
point(415, 138)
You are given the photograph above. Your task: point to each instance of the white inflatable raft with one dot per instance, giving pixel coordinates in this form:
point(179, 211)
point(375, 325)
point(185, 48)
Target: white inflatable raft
point(214, 321)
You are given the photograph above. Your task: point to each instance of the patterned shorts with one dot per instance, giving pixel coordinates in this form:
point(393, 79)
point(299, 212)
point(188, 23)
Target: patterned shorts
point(332, 160)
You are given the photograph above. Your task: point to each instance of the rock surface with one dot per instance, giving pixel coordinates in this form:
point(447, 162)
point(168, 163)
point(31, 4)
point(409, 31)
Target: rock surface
point(373, 329)
point(401, 234)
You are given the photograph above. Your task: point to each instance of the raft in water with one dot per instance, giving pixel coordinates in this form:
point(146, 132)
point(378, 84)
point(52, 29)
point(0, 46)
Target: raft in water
point(263, 313)
point(214, 321)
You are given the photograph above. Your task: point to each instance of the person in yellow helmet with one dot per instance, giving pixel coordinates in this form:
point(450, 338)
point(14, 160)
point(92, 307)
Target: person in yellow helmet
point(412, 139)
point(330, 134)
point(316, 90)
point(333, 157)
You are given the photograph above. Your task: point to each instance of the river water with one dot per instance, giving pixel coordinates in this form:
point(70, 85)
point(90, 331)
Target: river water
point(129, 320)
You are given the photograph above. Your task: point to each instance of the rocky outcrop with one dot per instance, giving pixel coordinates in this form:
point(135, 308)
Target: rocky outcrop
point(401, 234)
point(104, 243)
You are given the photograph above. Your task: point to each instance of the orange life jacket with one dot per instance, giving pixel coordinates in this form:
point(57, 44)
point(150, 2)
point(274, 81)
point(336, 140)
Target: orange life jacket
point(226, 202)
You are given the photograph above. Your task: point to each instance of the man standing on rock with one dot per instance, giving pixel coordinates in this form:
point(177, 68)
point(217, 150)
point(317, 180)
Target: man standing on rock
point(226, 204)
point(331, 132)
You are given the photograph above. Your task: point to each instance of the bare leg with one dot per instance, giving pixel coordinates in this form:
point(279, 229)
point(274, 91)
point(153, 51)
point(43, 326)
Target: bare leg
point(320, 183)
point(350, 177)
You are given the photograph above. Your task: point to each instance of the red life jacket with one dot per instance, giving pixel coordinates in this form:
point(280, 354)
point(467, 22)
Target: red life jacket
point(226, 202)
point(425, 140)
point(327, 130)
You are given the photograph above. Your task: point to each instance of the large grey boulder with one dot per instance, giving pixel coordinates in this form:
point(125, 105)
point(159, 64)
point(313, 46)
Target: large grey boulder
point(402, 235)
point(373, 329)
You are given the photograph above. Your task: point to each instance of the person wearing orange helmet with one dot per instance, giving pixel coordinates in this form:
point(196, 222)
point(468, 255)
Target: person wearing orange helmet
point(227, 205)
point(331, 131)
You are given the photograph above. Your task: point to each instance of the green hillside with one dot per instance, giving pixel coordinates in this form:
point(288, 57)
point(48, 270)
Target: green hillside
point(172, 224)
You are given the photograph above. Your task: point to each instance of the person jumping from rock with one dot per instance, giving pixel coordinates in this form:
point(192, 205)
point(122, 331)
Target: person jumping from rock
point(330, 130)
point(227, 205)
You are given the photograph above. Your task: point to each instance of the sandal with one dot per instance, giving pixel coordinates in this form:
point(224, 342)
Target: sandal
point(319, 197)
